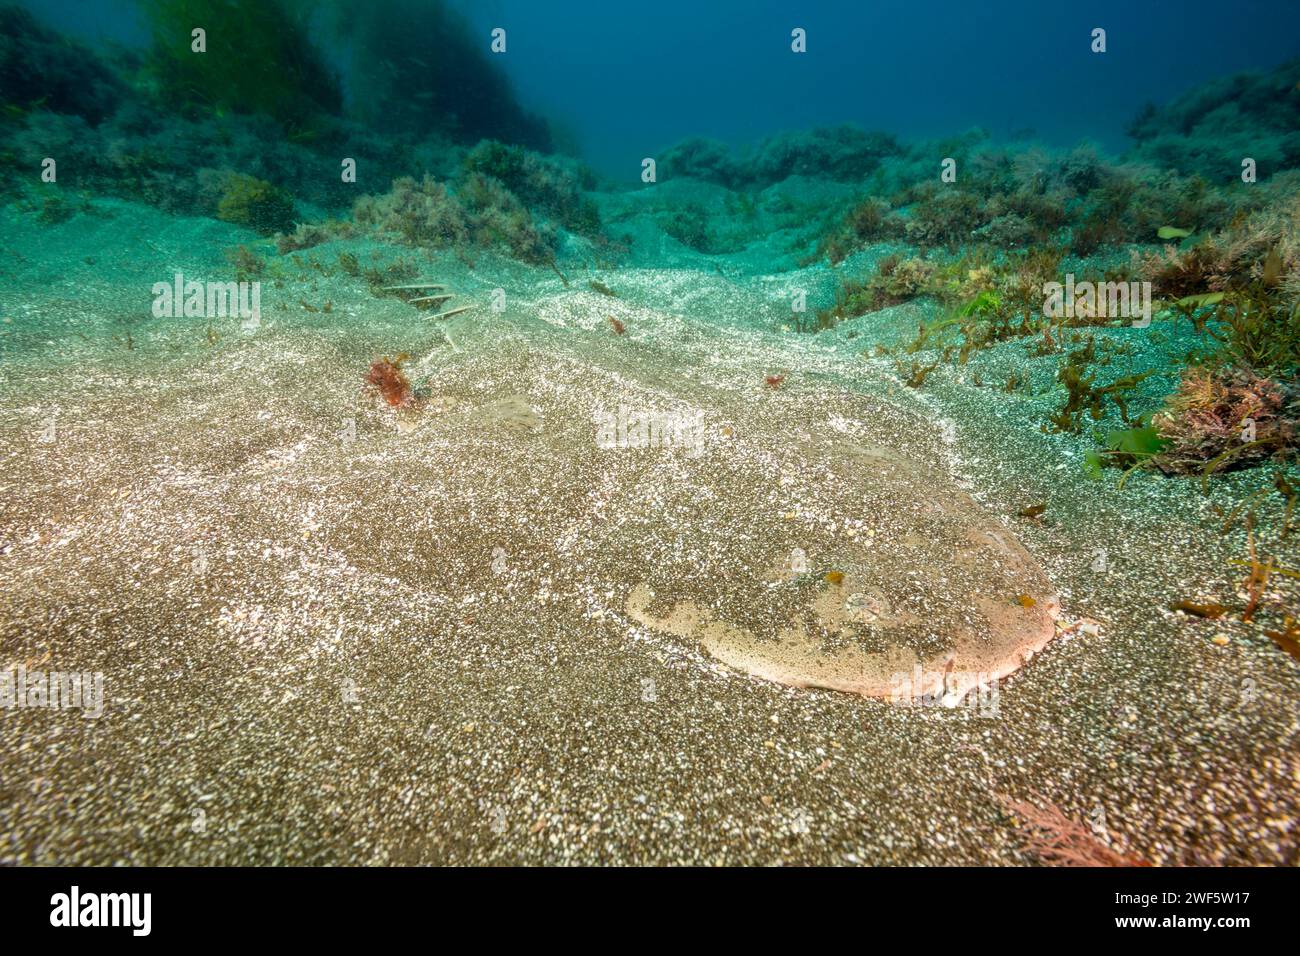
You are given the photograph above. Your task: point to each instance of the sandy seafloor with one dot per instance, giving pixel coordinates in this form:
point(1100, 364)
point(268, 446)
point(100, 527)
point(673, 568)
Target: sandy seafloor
point(310, 658)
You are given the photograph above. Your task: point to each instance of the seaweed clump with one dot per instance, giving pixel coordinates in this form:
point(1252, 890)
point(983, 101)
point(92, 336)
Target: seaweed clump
point(388, 379)
point(249, 201)
point(1083, 394)
point(843, 153)
point(1243, 405)
point(309, 235)
point(1261, 245)
point(545, 183)
point(899, 280)
point(871, 220)
point(496, 217)
point(1210, 128)
point(896, 281)
point(1220, 419)
point(1057, 840)
point(483, 213)
point(918, 373)
point(689, 225)
point(421, 213)
point(1014, 199)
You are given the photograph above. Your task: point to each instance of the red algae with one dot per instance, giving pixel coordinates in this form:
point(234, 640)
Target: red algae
point(387, 377)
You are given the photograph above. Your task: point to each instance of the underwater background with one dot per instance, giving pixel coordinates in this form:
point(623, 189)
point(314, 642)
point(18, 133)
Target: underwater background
point(733, 433)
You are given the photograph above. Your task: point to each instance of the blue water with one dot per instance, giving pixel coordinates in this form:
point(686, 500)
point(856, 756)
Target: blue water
point(626, 79)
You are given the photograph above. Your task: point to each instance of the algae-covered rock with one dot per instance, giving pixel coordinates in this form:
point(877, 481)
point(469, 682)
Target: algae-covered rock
point(40, 68)
point(249, 201)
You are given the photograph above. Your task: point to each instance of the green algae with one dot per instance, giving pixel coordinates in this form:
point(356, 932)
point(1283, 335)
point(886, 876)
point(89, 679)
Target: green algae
point(258, 59)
